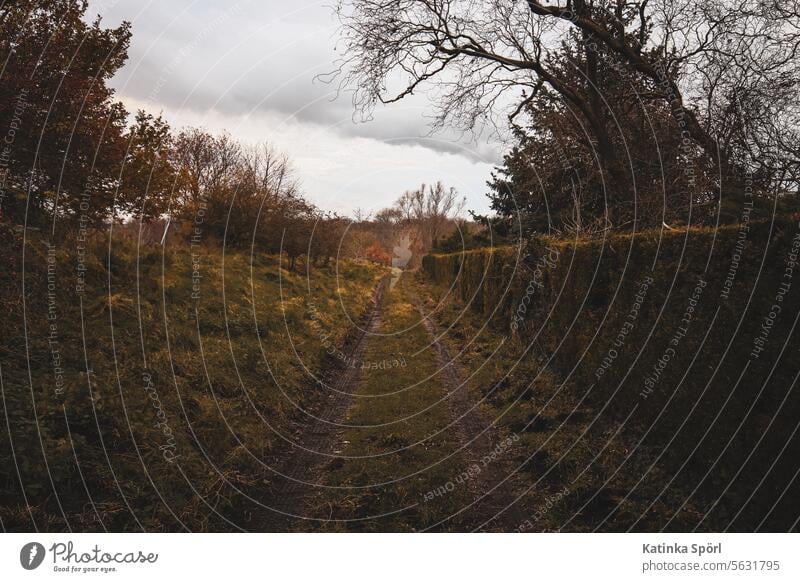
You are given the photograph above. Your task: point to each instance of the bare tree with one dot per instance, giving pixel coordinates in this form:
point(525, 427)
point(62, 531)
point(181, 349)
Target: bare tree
point(270, 170)
point(430, 208)
point(361, 215)
point(389, 216)
point(728, 70)
point(442, 204)
point(387, 223)
point(405, 206)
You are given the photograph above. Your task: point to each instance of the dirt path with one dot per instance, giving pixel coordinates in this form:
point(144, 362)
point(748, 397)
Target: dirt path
point(420, 451)
point(400, 466)
point(482, 445)
point(302, 464)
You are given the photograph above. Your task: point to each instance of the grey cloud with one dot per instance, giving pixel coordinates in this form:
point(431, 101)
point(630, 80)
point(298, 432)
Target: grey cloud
point(244, 57)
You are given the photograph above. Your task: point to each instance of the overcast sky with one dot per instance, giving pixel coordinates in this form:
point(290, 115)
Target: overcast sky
point(248, 67)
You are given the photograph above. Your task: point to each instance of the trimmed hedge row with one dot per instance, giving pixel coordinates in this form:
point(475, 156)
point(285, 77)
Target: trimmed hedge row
point(689, 335)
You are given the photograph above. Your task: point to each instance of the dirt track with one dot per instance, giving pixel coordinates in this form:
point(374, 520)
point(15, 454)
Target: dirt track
point(306, 470)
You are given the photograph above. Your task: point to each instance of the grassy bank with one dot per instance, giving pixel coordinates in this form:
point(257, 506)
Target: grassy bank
point(143, 388)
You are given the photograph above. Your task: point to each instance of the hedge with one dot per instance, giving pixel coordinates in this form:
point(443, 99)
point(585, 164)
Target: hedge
point(690, 335)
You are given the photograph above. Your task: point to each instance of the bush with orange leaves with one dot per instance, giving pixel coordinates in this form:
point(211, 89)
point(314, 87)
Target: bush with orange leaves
point(377, 254)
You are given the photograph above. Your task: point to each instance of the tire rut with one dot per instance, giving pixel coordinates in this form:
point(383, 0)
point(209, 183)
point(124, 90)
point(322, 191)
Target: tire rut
point(301, 465)
point(478, 440)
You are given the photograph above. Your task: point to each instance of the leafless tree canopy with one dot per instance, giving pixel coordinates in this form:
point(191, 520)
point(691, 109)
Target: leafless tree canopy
point(727, 69)
point(430, 207)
